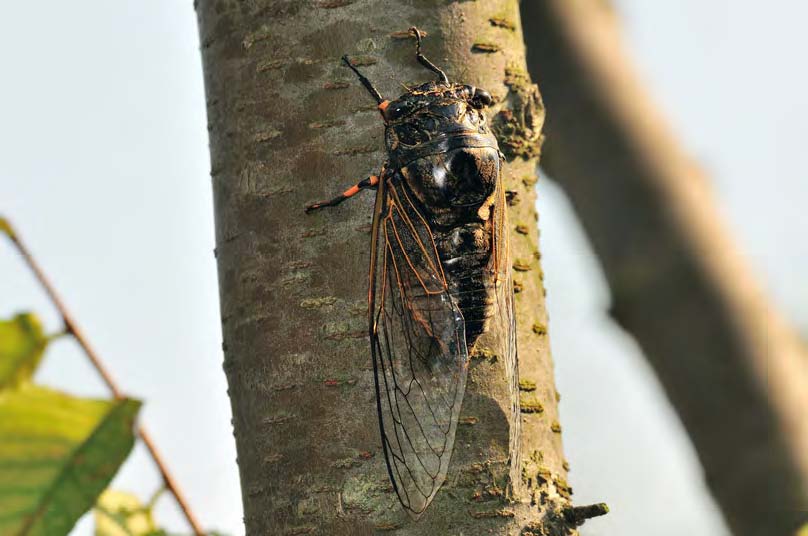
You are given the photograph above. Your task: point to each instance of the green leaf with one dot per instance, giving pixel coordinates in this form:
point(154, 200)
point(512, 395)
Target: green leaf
point(57, 454)
point(22, 343)
point(122, 514)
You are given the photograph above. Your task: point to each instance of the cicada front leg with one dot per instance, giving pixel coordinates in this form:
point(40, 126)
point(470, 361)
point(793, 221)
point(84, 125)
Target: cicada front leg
point(370, 182)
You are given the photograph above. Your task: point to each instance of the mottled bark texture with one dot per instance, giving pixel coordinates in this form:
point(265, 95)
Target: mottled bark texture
point(732, 368)
point(290, 125)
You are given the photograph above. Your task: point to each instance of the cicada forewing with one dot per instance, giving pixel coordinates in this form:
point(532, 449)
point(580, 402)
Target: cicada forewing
point(419, 349)
point(504, 333)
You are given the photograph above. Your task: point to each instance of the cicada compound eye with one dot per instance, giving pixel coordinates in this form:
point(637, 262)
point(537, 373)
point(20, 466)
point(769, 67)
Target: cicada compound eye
point(393, 110)
point(481, 98)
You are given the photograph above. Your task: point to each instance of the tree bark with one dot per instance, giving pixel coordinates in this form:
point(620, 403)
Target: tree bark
point(733, 369)
point(289, 125)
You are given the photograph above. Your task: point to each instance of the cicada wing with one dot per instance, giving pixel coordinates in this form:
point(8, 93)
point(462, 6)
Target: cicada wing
point(506, 317)
point(419, 350)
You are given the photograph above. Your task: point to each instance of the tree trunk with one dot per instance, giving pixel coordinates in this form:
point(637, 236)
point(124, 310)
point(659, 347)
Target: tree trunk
point(735, 372)
point(290, 125)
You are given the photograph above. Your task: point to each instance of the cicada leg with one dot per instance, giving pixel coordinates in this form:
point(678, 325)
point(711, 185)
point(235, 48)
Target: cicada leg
point(370, 182)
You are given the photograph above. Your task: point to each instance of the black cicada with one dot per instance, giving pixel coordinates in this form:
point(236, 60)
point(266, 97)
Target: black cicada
point(439, 273)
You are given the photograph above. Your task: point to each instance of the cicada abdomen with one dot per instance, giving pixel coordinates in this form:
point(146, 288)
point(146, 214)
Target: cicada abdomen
point(440, 279)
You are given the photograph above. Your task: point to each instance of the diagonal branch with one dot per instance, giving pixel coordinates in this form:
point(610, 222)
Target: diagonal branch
point(72, 328)
point(733, 369)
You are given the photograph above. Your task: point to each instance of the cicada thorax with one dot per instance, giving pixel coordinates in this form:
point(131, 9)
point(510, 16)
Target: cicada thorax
point(449, 162)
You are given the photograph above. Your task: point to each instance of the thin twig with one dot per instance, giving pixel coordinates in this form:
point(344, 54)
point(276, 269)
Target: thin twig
point(72, 328)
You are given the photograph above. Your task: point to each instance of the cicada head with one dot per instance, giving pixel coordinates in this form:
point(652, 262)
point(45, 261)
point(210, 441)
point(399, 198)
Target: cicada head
point(434, 109)
point(438, 136)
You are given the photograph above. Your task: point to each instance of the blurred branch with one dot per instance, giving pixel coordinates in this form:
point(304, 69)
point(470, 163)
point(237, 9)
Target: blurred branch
point(733, 369)
point(70, 327)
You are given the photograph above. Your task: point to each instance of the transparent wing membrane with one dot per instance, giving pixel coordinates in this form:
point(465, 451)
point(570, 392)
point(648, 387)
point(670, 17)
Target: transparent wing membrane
point(506, 317)
point(419, 351)
point(419, 348)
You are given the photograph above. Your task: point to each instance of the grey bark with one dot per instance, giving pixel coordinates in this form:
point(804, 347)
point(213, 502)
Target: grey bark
point(289, 125)
point(735, 372)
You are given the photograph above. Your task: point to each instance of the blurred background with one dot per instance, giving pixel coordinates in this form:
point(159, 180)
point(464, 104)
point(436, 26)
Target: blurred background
point(104, 171)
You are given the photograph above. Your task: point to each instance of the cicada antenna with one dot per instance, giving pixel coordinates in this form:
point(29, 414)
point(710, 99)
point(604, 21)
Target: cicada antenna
point(423, 60)
point(365, 82)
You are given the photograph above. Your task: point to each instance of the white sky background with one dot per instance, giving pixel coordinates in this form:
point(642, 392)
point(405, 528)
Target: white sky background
point(104, 169)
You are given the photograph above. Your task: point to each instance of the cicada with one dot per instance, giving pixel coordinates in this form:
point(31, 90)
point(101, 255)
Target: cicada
point(440, 278)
